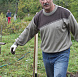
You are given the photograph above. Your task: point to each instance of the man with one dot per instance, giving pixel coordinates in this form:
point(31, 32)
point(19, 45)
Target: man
point(55, 24)
point(8, 15)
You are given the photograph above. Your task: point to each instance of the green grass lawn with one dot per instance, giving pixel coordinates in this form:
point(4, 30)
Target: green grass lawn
point(24, 67)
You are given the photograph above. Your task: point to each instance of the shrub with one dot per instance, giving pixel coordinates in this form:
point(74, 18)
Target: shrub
point(13, 27)
point(28, 18)
point(21, 14)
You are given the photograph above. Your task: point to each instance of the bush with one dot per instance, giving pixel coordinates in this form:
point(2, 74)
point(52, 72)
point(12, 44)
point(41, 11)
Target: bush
point(3, 21)
point(14, 27)
point(28, 18)
point(21, 14)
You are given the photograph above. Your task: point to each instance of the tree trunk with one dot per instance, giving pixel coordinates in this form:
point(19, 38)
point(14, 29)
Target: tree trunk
point(17, 6)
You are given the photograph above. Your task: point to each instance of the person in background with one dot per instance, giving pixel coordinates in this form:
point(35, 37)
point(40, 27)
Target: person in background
point(8, 15)
point(55, 24)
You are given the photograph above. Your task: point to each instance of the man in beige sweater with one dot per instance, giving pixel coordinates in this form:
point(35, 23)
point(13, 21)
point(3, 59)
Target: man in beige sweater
point(55, 24)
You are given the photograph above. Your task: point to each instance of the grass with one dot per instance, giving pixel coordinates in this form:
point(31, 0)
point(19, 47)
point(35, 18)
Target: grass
point(24, 67)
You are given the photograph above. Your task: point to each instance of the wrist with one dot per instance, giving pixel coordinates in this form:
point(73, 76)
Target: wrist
point(15, 43)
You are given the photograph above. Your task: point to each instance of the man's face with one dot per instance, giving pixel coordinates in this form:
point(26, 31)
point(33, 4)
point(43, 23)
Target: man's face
point(8, 10)
point(46, 4)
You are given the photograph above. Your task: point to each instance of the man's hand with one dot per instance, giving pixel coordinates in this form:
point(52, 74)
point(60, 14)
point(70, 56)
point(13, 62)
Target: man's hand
point(13, 48)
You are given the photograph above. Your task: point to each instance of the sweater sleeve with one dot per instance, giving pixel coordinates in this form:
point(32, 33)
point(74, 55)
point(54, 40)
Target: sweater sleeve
point(73, 26)
point(27, 34)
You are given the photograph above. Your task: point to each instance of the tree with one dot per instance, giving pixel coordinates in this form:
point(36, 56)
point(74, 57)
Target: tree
point(17, 6)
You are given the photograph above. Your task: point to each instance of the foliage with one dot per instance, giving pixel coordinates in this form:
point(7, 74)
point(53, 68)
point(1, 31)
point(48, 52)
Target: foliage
point(74, 8)
point(16, 26)
point(21, 14)
point(28, 6)
point(5, 5)
point(2, 21)
point(28, 18)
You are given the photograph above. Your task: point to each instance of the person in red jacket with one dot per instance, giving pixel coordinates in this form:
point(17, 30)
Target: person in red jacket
point(8, 15)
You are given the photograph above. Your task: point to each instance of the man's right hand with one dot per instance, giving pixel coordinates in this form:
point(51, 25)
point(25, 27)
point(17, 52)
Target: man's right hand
point(13, 48)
